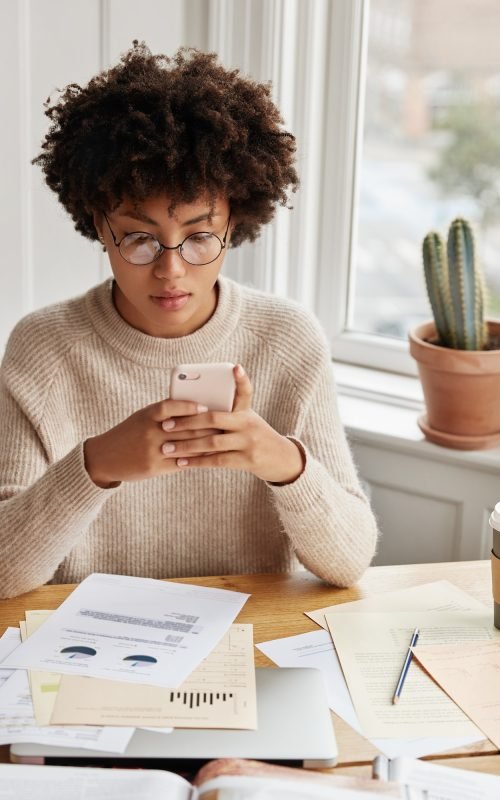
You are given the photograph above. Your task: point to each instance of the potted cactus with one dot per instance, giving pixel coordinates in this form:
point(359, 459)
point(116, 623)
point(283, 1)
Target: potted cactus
point(458, 355)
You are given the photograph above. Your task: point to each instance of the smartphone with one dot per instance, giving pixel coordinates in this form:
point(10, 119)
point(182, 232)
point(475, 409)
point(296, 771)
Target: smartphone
point(211, 385)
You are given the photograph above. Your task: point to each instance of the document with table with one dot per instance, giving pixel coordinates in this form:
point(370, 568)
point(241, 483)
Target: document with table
point(220, 693)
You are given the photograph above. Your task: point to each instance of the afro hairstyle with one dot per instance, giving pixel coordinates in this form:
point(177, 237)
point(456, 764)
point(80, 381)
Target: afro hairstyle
point(185, 126)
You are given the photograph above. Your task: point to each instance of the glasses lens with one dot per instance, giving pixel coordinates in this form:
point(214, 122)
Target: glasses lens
point(139, 248)
point(201, 248)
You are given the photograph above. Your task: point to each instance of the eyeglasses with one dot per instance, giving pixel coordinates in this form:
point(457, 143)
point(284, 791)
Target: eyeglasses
point(142, 248)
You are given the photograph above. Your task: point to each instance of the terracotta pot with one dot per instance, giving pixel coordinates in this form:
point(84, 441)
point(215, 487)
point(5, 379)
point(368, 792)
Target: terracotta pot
point(461, 391)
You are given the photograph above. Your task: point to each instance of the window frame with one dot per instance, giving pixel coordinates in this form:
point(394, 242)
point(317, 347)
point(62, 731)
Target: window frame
point(343, 120)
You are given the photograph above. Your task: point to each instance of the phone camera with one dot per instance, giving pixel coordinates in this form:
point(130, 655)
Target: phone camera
point(182, 376)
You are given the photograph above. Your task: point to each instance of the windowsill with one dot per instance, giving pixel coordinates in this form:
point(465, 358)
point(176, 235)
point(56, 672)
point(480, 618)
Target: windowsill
point(375, 384)
point(382, 408)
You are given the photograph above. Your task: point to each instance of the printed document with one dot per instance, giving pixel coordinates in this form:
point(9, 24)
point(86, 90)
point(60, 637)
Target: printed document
point(437, 782)
point(220, 693)
point(8, 642)
point(435, 596)
point(469, 675)
point(371, 648)
point(18, 724)
point(44, 685)
point(137, 630)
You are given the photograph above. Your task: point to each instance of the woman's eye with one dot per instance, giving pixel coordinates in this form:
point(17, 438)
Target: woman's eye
point(200, 237)
point(137, 236)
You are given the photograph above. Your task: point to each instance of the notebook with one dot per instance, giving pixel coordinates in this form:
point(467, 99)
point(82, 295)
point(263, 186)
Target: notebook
point(294, 728)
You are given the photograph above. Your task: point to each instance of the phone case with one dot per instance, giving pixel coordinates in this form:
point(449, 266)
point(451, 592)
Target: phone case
point(212, 385)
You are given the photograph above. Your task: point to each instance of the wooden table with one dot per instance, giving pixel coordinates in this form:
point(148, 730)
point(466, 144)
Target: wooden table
point(276, 609)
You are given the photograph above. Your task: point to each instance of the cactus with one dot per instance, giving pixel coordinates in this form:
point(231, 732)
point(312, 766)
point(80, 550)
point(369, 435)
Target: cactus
point(455, 287)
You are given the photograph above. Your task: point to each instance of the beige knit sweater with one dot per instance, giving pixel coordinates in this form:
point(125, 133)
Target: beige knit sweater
point(76, 369)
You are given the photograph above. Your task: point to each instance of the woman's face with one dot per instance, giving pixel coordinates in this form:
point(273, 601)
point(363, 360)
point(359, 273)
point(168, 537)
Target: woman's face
point(169, 297)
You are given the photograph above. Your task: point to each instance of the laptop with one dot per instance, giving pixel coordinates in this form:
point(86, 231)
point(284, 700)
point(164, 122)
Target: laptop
point(294, 728)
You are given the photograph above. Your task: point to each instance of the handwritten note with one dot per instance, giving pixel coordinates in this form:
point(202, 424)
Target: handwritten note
point(471, 677)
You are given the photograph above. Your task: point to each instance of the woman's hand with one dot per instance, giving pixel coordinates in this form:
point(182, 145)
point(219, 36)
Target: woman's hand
point(240, 440)
point(133, 449)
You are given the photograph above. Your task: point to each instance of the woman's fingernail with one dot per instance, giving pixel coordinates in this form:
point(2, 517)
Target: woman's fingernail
point(201, 409)
point(182, 462)
point(240, 371)
point(167, 448)
point(168, 424)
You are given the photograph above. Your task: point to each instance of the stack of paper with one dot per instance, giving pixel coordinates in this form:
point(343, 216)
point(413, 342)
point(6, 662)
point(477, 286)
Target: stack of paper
point(124, 653)
point(361, 653)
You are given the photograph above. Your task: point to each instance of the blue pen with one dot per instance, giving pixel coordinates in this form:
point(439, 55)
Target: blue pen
point(405, 667)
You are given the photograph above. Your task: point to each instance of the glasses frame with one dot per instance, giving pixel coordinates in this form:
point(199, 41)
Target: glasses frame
point(164, 247)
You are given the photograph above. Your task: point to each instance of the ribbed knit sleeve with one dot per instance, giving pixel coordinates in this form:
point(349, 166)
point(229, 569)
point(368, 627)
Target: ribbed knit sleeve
point(43, 509)
point(325, 512)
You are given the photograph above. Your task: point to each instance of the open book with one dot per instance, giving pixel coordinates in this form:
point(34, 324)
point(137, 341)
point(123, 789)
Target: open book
point(224, 779)
point(423, 779)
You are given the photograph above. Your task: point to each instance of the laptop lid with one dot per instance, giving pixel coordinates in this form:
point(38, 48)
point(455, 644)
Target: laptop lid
point(294, 727)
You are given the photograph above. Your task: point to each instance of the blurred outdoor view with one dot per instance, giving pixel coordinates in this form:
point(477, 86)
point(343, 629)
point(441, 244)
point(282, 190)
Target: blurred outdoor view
point(431, 151)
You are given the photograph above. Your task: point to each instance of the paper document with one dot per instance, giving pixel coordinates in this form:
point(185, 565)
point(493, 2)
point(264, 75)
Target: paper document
point(220, 693)
point(469, 675)
point(44, 685)
point(317, 650)
point(137, 630)
point(8, 642)
point(437, 782)
point(15, 700)
point(435, 596)
point(371, 649)
point(107, 740)
point(18, 724)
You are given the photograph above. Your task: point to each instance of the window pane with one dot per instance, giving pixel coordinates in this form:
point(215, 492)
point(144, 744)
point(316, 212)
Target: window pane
point(431, 151)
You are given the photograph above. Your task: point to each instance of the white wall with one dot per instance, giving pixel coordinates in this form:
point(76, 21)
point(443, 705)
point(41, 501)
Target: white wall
point(46, 45)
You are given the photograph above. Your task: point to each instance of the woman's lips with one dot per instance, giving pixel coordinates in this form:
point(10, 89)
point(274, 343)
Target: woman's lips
point(173, 303)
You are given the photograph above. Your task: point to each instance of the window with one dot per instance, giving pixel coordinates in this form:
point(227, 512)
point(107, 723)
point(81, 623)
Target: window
point(424, 113)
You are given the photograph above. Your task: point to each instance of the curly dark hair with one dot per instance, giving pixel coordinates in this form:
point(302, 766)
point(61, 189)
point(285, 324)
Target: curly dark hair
point(184, 125)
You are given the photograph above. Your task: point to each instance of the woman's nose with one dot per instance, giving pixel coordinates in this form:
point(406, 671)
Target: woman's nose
point(169, 264)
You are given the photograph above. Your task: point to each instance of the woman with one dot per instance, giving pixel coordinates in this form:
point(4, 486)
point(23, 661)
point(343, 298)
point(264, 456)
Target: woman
point(99, 471)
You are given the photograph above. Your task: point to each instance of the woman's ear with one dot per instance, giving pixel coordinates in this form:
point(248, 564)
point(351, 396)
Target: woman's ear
point(98, 220)
point(233, 221)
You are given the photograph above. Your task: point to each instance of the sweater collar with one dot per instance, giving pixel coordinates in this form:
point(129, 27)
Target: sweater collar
point(154, 351)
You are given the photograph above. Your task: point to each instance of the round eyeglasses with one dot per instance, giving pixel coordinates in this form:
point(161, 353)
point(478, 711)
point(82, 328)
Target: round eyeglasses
point(198, 249)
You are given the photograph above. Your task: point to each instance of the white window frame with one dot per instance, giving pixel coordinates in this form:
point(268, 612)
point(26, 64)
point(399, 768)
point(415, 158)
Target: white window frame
point(314, 52)
point(344, 115)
